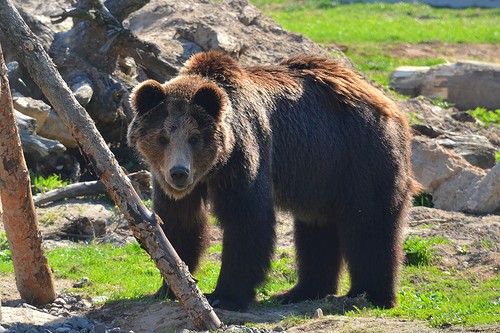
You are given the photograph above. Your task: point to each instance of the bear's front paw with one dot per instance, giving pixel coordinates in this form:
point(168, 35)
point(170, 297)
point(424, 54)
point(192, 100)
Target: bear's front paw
point(225, 303)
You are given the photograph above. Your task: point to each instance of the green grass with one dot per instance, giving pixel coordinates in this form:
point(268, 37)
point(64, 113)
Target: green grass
point(384, 23)
point(371, 31)
point(117, 272)
point(443, 299)
point(419, 251)
point(426, 293)
point(5, 255)
point(44, 184)
point(487, 117)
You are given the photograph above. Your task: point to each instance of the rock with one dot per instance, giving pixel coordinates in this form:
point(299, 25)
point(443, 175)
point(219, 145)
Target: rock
point(440, 124)
point(83, 92)
point(34, 108)
point(98, 299)
point(12, 315)
point(248, 15)
point(55, 129)
point(485, 194)
point(100, 328)
point(463, 116)
point(444, 174)
point(455, 184)
point(476, 149)
point(211, 38)
point(84, 282)
point(318, 313)
point(467, 84)
point(180, 29)
point(59, 301)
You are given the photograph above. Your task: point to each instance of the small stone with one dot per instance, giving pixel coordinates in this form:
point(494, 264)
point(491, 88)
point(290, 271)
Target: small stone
point(81, 322)
point(99, 328)
point(98, 299)
point(318, 313)
point(60, 301)
point(83, 303)
point(84, 281)
point(63, 330)
point(248, 15)
point(29, 306)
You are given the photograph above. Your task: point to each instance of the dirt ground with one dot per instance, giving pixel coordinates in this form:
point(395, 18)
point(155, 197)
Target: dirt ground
point(449, 52)
point(460, 229)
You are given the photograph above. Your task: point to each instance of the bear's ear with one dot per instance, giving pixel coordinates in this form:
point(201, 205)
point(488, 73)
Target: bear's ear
point(210, 98)
point(146, 96)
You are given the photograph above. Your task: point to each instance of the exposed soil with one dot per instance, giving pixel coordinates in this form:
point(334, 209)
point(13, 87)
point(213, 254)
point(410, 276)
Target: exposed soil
point(479, 235)
point(448, 52)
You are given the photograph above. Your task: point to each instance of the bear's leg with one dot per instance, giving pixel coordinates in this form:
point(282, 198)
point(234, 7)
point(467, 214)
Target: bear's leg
point(319, 262)
point(185, 225)
point(373, 252)
point(248, 220)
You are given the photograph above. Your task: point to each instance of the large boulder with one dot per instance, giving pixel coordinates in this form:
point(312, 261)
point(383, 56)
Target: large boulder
point(182, 28)
point(455, 184)
point(454, 130)
point(467, 84)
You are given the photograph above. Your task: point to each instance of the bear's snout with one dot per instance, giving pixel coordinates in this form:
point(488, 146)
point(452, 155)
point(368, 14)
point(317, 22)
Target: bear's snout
point(179, 175)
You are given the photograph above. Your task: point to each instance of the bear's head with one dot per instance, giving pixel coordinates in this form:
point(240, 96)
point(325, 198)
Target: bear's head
point(180, 131)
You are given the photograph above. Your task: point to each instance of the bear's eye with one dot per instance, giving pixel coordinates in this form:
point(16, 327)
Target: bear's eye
point(193, 141)
point(162, 140)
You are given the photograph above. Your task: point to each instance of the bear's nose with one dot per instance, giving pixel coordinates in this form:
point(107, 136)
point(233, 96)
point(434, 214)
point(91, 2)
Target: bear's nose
point(179, 175)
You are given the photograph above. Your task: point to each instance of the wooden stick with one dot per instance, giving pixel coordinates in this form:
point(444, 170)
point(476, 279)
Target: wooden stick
point(82, 189)
point(143, 223)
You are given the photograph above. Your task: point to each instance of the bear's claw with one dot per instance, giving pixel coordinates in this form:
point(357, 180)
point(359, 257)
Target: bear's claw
point(219, 302)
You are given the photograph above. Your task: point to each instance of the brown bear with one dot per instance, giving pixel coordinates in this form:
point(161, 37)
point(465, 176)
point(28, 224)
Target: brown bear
point(308, 136)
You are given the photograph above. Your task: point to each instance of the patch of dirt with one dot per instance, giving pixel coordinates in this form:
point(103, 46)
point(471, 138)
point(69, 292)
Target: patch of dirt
point(473, 247)
point(473, 242)
point(448, 52)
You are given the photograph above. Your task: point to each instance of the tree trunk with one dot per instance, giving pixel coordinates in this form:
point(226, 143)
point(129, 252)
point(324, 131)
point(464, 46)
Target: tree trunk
point(143, 223)
point(33, 275)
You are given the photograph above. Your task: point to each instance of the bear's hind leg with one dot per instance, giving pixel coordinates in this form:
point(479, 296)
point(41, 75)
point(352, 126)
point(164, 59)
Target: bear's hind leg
point(373, 252)
point(319, 262)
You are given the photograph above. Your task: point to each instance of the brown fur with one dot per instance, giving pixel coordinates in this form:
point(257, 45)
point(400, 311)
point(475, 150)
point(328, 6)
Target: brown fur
point(307, 135)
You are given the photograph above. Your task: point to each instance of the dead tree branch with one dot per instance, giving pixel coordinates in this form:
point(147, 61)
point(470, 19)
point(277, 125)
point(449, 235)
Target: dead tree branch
point(143, 223)
point(90, 188)
point(33, 275)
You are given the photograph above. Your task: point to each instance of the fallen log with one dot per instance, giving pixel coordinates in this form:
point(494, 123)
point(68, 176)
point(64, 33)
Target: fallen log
point(140, 180)
point(32, 143)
